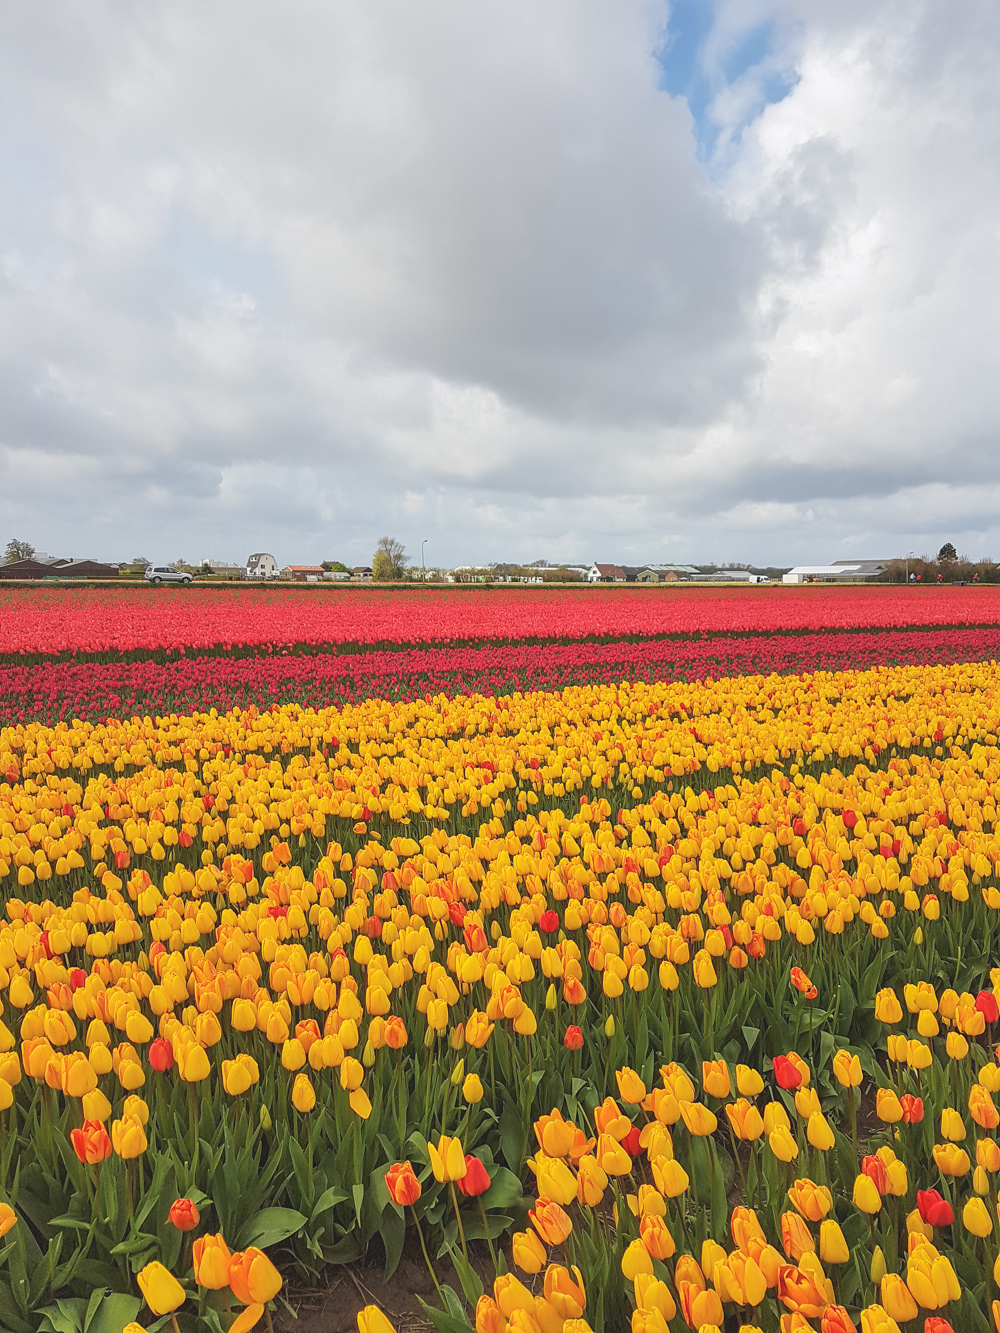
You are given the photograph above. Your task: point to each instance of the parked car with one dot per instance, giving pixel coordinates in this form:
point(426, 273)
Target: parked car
point(165, 574)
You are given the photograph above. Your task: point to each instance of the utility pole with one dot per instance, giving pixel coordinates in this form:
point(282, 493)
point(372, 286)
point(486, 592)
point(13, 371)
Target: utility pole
point(908, 554)
point(422, 561)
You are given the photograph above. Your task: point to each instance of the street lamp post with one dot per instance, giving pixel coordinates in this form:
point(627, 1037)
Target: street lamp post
point(422, 561)
point(908, 554)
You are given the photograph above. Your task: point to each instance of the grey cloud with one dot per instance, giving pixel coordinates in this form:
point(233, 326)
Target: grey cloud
point(305, 275)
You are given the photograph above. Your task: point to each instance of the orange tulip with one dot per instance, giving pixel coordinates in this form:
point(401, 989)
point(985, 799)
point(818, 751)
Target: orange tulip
point(566, 1295)
point(656, 1237)
point(253, 1278)
point(805, 1289)
point(403, 1185)
point(551, 1221)
point(91, 1143)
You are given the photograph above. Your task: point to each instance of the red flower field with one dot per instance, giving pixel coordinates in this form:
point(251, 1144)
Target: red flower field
point(45, 621)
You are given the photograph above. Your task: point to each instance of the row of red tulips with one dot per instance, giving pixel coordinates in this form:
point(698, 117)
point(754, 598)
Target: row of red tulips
point(59, 691)
point(121, 620)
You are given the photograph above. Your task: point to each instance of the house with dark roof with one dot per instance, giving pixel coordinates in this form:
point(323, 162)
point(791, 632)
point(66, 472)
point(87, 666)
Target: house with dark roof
point(57, 569)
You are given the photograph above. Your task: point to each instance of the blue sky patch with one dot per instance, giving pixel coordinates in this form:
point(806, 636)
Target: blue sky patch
point(689, 73)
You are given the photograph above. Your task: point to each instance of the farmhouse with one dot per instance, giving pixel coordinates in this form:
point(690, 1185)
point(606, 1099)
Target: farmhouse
point(303, 573)
point(260, 565)
point(665, 573)
point(606, 574)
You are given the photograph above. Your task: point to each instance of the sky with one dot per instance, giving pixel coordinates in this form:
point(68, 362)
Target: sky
point(616, 280)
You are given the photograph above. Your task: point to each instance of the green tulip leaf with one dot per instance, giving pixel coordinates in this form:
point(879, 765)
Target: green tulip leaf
point(269, 1227)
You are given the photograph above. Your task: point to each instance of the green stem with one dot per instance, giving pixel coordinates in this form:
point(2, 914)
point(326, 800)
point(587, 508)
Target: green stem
point(739, 1163)
point(458, 1218)
point(854, 1126)
point(193, 1121)
point(427, 1258)
point(486, 1232)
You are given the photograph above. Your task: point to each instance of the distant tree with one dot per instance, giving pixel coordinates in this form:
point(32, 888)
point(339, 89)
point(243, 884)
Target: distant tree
point(389, 561)
point(335, 567)
point(142, 560)
point(381, 567)
point(17, 551)
point(947, 552)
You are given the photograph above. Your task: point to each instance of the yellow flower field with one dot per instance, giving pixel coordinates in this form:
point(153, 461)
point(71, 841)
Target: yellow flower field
point(675, 1000)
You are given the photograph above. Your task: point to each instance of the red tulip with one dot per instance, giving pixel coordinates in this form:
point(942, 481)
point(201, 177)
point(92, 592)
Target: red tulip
point(874, 1169)
point(573, 1040)
point(934, 1210)
point(986, 1003)
point(913, 1108)
point(184, 1215)
point(549, 922)
point(476, 1180)
point(161, 1055)
point(786, 1073)
point(631, 1141)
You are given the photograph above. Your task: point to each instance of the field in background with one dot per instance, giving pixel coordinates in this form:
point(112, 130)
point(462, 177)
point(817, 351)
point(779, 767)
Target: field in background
point(99, 621)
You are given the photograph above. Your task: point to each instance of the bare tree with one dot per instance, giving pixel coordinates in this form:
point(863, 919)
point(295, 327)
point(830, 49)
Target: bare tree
point(17, 550)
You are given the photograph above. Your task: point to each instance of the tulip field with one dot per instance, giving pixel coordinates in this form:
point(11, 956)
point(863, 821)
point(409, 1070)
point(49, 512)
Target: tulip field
point(631, 972)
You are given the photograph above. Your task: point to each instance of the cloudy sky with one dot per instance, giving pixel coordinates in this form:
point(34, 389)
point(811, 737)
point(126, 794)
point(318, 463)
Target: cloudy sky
point(578, 279)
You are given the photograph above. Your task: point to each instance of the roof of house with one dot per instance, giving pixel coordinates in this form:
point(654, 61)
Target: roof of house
point(259, 555)
point(608, 570)
point(305, 569)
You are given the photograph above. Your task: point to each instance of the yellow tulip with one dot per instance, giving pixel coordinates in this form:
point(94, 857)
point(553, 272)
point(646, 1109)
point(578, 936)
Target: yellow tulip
point(847, 1069)
point(866, 1195)
point(161, 1291)
point(372, 1320)
point(976, 1218)
point(303, 1094)
point(210, 1259)
point(128, 1138)
point(819, 1133)
point(715, 1078)
point(528, 1252)
point(636, 1260)
point(447, 1159)
point(472, 1089)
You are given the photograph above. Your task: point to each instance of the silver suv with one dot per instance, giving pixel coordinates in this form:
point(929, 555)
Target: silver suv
point(164, 574)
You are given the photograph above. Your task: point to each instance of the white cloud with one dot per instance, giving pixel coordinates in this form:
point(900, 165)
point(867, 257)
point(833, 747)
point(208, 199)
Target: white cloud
point(289, 277)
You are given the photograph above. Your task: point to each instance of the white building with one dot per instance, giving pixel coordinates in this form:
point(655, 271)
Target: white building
point(226, 567)
point(262, 566)
point(606, 574)
point(841, 572)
